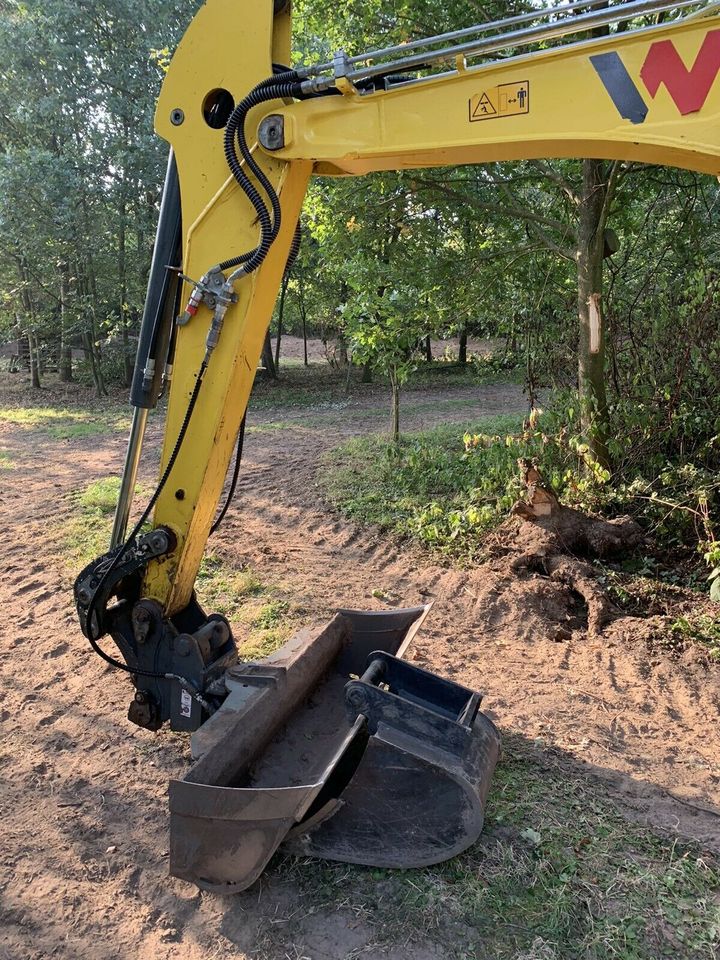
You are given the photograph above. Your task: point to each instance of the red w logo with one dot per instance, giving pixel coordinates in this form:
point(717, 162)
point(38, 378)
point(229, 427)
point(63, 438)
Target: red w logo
point(688, 88)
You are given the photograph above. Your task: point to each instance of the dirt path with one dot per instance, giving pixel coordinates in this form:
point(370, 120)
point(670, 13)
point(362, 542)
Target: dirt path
point(84, 840)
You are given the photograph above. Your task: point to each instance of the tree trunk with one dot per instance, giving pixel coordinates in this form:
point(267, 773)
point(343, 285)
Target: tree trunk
point(267, 358)
point(591, 350)
point(65, 355)
point(91, 357)
point(367, 373)
point(122, 300)
point(428, 349)
point(34, 361)
point(462, 348)
point(281, 313)
point(29, 309)
point(341, 351)
point(395, 387)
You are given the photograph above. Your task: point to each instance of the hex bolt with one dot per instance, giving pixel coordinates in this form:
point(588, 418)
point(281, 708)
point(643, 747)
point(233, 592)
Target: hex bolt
point(355, 697)
point(159, 542)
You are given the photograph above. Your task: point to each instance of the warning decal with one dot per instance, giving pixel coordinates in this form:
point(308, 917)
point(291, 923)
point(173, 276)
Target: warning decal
point(506, 100)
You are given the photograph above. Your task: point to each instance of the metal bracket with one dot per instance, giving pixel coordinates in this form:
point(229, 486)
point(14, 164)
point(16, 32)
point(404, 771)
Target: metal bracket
point(95, 586)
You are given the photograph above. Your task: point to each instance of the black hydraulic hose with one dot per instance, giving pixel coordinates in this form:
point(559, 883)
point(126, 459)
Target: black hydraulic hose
point(294, 249)
point(278, 87)
point(233, 482)
point(135, 531)
point(292, 257)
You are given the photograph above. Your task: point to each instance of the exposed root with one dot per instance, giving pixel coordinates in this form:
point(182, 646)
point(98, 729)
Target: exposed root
point(547, 538)
point(581, 577)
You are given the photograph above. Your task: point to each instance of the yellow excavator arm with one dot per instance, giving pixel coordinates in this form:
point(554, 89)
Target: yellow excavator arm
point(246, 134)
point(646, 95)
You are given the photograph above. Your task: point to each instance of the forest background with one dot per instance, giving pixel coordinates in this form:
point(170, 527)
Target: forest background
point(510, 251)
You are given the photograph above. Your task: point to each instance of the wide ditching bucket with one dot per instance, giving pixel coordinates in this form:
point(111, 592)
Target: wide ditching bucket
point(334, 747)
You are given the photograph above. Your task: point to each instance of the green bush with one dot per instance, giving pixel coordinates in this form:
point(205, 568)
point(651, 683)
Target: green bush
point(448, 487)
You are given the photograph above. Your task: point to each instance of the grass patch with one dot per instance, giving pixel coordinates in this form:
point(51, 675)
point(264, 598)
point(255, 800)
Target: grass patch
point(270, 615)
point(701, 629)
point(426, 486)
point(87, 534)
point(6, 462)
point(558, 874)
point(66, 424)
point(223, 589)
point(262, 622)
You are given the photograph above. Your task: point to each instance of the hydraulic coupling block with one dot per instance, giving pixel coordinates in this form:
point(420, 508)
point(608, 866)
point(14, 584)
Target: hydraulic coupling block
point(208, 289)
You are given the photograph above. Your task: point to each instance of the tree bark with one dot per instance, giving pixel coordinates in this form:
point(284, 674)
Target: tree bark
point(122, 299)
point(597, 192)
point(303, 316)
point(428, 349)
point(65, 356)
point(267, 358)
point(462, 347)
point(552, 538)
point(281, 313)
point(34, 361)
point(29, 309)
point(395, 387)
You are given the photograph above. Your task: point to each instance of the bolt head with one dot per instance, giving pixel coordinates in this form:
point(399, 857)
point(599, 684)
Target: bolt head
point(177, 116)
point(355, 698)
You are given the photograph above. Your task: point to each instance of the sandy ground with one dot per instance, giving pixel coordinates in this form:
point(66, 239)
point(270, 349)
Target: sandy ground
point(84, 837)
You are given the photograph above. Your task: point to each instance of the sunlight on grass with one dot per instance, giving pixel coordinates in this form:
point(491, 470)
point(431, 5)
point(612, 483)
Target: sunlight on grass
point(426, 486)
point(261, 622)
point(87, 533)
point(66, 424)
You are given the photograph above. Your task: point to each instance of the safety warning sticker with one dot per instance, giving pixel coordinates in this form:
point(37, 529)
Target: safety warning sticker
point(505, 100)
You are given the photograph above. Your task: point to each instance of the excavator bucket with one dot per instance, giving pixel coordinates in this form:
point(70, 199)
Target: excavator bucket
point(334, 747)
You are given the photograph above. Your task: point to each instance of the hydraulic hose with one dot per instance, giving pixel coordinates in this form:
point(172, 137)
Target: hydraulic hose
point(281, 86)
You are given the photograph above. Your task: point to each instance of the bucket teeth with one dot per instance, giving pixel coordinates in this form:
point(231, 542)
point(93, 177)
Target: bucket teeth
point(334, 747)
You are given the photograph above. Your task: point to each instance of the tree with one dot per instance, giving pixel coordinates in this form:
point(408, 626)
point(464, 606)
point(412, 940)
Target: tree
point(80, 173)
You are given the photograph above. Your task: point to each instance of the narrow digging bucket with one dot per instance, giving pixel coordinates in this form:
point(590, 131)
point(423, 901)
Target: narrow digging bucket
point(334, 747)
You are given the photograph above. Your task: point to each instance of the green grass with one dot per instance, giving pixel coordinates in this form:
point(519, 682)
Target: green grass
point(86, 535)
point(701, 629)
point(262, 620)
point(6, 462)
point(559, 874)
point(426, 486)
point(67, 424)
point(224, 589)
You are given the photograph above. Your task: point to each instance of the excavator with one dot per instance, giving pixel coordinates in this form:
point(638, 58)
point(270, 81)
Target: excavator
point(335, 745)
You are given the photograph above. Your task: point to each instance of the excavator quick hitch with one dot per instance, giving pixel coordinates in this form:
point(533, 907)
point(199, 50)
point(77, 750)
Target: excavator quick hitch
point(334, 747)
